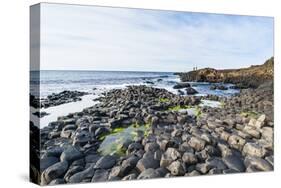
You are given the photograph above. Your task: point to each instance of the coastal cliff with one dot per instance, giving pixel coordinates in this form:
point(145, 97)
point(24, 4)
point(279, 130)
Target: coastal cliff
point(245, 77)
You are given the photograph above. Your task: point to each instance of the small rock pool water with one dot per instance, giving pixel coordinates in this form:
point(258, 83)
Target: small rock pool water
point(115, 142)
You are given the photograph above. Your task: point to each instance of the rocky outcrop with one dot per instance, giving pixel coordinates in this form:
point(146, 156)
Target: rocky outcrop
point(243, 78)
point(61, 98)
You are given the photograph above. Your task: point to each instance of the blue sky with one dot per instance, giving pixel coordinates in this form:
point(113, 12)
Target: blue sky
point(100, 38)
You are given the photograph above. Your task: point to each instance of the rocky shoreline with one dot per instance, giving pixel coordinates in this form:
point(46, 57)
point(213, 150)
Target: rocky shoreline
point(243, 78)
point(61, 98)
point(168, 141)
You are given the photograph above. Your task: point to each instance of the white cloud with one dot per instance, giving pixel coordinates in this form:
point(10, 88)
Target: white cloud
point(98, 38)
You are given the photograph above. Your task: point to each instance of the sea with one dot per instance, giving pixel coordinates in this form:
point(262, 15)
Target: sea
point(97, 82)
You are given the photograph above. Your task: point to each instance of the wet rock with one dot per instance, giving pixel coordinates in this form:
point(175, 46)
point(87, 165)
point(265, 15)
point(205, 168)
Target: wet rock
point(53, 152)
point(101, 131)
point(180, 92)
point(71, 171)
point(234, 162)
point(152, 147)
point(190, 91)
point(70, 154)
point(147, 162)
point(162, 171)
point(92, 158)
point(80, 176)
point(181, 85)
point(100, 175)
point(106, 162)
point(53, 172)
point(134, 147)
point(47, 161)
point(216, 163)
point(81, 137)
point(128, 165)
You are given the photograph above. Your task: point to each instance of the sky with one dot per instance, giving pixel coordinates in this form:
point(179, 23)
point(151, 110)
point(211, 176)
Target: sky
point(77, 37)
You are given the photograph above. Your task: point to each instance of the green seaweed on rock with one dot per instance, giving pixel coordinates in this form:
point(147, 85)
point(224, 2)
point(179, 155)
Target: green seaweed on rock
point(163, 100)
point(250, 114)
point(198, 112)
point(178, 108)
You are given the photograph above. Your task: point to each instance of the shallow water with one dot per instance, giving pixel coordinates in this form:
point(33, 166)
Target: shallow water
point(211, 103)
point(64, 109)
point(113, 143)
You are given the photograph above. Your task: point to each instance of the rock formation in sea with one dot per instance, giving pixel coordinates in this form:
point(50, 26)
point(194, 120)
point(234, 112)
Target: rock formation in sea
point(245, 77)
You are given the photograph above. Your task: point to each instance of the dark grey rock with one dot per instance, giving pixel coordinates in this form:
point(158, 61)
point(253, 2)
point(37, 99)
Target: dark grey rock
point(53, 172)
point(70, 154)
point(190, 91)
point(72, 171)
point(216, 163)
point(258, 163)
point(47, 161)
point(128, 165)
point(100, 175)
point(106, 162)
point(53, 152)
point(92, 158)
point(234, 162)
point(134, 147)
point(181, 85)
point(152, 147)
point(147, 162)
point(80, 176)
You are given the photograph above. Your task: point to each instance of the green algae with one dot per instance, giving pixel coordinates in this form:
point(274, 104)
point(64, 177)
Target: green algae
point(250, 114)
point(164, 100)
point(115, 142)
